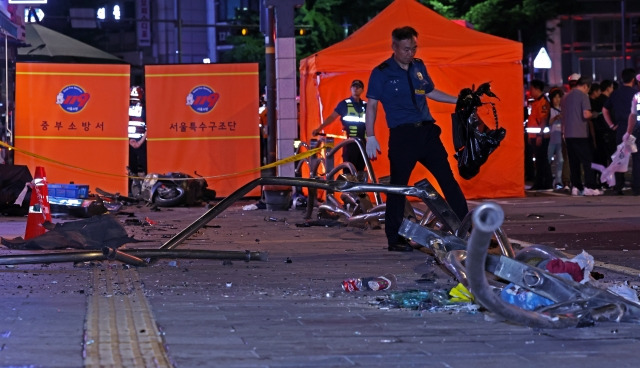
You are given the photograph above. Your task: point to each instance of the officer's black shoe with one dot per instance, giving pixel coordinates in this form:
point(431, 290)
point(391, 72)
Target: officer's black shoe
point(400, 246)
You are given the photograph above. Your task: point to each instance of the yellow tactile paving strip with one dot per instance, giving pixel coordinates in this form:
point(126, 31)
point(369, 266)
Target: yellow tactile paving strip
point(120, 330)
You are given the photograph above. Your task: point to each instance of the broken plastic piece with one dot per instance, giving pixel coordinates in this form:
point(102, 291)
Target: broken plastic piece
point(460, 294)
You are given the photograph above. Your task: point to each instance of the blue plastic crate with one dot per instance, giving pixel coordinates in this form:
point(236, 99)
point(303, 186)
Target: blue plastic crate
point(68, 190)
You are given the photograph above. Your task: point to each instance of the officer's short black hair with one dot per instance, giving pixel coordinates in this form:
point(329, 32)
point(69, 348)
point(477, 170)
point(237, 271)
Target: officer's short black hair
point(606, 84)
point(537, 84)
point(628, 74)
point(403, 33)
point(583, 81)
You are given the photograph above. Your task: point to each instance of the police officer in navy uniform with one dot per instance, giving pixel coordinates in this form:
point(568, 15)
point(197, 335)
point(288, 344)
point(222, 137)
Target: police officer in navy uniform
point(402, 84)
point(352, 114)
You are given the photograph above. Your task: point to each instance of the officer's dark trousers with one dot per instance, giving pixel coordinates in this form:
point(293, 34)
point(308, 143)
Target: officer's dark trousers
point(543, 177)
point(580, 156)
point(408, 145)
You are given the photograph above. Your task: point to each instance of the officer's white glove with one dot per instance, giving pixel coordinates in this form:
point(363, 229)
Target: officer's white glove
point(630, 142)
point(372, 147)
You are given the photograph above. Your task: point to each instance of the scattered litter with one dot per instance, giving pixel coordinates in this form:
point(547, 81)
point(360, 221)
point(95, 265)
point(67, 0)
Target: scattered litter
point(559, 266)
point(384, 282)
point(275, 219)
point(250, 207)
point(551, 228)
point(460, 294)
point(132, 221)
point(324, 223)
point(288, 260)
point(229, 284)
point(527, 300)
point(172, 264)
point(586, 262)
point(431, 301)
point(408, 299)
point(623, 290)
point(149, 221)
point(389, 340)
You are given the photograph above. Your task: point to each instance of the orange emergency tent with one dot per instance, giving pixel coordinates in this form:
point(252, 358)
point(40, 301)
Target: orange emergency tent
point(456, 57)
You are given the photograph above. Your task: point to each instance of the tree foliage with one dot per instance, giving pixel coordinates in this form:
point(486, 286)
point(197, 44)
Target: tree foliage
point(518, 20)
point(523, 20)
point(330, 21)
point(249, 48)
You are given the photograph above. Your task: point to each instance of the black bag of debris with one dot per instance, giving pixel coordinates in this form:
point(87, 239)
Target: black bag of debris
point(13, 179)
point(473, 140)
point(96, 232)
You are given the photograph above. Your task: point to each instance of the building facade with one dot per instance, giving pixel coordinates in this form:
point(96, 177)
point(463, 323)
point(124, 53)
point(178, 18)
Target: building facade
point(594, 45)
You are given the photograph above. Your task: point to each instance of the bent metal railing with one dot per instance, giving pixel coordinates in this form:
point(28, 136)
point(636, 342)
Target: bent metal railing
point(576, 304)
point(422, 190)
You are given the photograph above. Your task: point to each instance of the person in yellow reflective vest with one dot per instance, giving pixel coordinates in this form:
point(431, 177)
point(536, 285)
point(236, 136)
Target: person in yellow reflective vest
point(351, 112)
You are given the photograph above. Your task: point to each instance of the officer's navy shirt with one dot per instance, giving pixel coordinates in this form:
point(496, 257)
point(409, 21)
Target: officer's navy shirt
point(618, 104)
point(403, 100)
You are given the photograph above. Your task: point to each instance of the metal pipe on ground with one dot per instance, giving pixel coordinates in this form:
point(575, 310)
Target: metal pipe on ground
point(114, 254)
point(486, 219)
point(423, 190)
point(130, 256)
point(199, 254)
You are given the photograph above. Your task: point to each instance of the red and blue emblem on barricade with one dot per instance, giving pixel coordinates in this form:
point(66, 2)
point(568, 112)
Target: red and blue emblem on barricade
point(72, 98)
point(202, 99)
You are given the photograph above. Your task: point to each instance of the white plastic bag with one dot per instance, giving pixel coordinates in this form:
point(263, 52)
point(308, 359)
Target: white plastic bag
point(620, 161)
point(586, 263)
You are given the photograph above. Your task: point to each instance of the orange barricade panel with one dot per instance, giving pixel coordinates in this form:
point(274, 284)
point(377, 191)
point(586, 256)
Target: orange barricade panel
point(73, 118)
point(204, 118)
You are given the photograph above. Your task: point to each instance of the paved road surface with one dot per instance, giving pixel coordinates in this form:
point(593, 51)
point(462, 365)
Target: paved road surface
point(290, 310)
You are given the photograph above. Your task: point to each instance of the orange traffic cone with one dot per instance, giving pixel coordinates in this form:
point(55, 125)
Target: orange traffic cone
point(39, 208)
